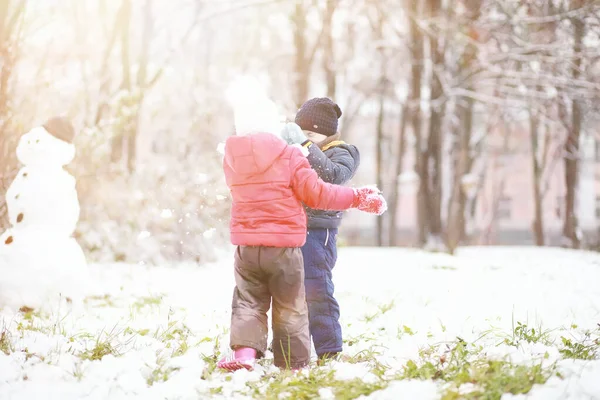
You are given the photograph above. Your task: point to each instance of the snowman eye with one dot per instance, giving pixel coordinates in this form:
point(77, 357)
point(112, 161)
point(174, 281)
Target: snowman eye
point(24, 174)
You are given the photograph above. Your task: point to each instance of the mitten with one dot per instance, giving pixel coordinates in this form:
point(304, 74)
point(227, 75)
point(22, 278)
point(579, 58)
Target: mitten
point(293, 134)
point(370, 200)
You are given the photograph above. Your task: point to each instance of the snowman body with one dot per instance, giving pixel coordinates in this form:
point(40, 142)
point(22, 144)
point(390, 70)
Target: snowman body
point(43, 199)
point(40, 262)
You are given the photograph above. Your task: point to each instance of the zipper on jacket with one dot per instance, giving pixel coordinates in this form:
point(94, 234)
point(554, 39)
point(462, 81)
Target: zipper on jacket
point(327, 238)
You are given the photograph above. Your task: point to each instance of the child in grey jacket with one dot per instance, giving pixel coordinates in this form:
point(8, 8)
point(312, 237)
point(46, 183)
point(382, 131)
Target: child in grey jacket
point(335, 162)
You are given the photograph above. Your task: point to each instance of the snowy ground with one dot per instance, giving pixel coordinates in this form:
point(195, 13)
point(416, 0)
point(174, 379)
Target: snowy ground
point(417, 326)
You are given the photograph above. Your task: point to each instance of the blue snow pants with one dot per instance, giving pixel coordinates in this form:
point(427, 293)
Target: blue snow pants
point(320, 255)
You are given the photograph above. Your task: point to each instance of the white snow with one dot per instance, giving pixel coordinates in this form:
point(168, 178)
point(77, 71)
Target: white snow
point(166, 323)
point(166, 213)
point(209, 233)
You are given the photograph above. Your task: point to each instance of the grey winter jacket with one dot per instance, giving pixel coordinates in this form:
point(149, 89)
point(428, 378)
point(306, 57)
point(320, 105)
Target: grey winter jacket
point(335, 162)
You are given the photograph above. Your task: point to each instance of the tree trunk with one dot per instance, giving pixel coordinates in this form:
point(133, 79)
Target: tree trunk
point(105, 81)
point(379, 154)
point(538, 221)
point(328, 50)
point(433, 154)
point(380, 138)
point(571, 224)
point(118, 141)
point(461, 147)
point(301, 63)
point(414, 99)
point(395, 195)
point(458, 199)
point(10, 14)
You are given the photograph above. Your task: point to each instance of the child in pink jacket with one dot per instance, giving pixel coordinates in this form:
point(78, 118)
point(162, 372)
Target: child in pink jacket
point(269, 181)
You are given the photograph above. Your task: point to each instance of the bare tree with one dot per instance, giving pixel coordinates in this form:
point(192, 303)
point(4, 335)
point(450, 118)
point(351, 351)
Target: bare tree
point(122, 134)
point(462, 142)
point(432, 168)
point(11, 15)
point(414, 99)
point(328, 48)
point(572, 155)
point(395, 194)
point(302, 58)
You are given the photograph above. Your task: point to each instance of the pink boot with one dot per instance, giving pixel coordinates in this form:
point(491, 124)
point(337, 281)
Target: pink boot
point(242, 357)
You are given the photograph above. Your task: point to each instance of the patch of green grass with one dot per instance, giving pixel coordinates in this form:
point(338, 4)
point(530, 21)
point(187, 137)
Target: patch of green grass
point(161, 373)
point(492, 379)
point(454, 363)
point(364, 337)
point(101, 349)
point(368, 318)
point(104, 301)
point(175, 336)
point(149, 301)
point(5, 344)
point(381, 309)
point(28, 315)
point(366, 355)
point(426, 370)
point(404, 330)
point(523, 333)
point(103, 346)
point(33, 321)
point(587, 348)
point(464, 363)
point(140, 332)
point(211, 359)
point(286, 385)
point(216, 390)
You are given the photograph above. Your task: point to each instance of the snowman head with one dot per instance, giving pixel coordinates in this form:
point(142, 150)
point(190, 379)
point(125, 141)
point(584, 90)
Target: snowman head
point(47, 145)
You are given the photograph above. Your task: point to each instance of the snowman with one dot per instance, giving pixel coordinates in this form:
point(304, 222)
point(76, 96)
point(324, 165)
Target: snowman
point(41, 263)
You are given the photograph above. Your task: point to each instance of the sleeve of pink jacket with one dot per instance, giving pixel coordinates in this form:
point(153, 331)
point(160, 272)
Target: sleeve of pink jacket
point(315, 193)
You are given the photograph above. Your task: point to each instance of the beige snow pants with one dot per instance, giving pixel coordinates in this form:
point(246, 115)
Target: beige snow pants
point(263, 274)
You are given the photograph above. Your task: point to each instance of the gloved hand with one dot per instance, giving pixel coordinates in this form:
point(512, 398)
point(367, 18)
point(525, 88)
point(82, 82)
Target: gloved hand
point(370, 200)
point(293, 134)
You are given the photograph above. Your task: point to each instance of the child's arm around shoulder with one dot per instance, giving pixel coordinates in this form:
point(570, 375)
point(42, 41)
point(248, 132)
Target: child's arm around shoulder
point(339, 168)
point(313, 191)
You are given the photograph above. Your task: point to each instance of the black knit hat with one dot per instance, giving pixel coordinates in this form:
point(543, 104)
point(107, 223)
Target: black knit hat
point(61, 128)
point(319, 115)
